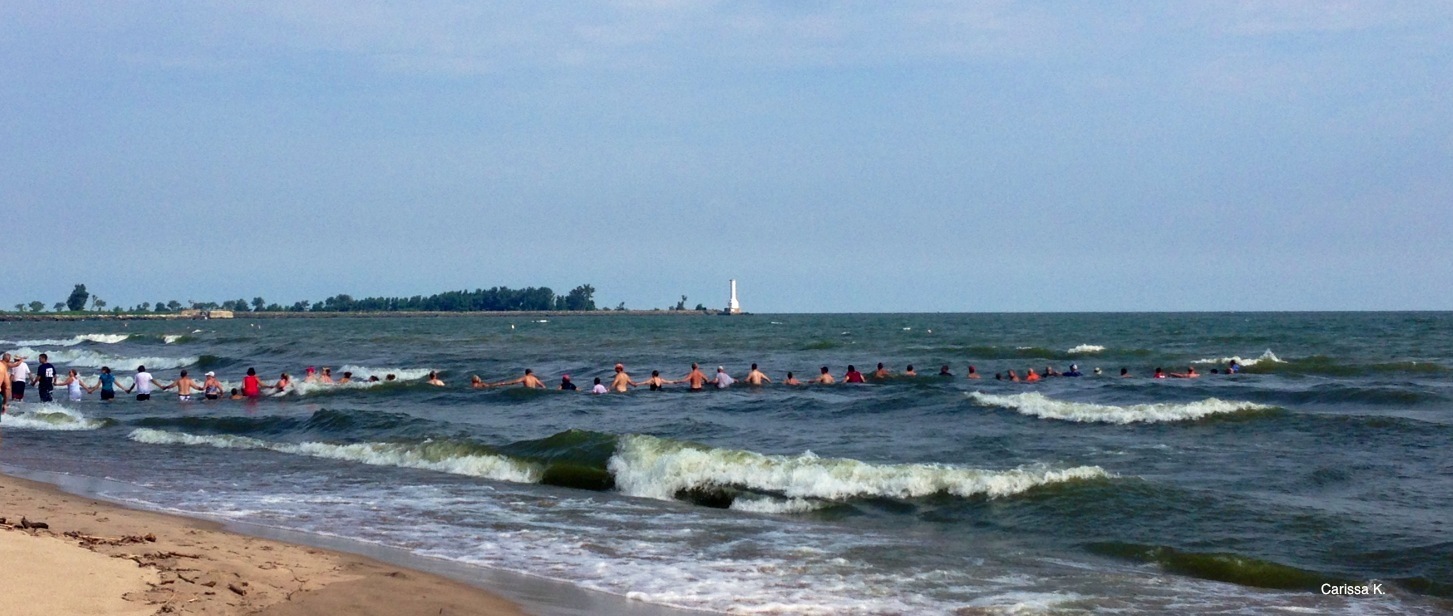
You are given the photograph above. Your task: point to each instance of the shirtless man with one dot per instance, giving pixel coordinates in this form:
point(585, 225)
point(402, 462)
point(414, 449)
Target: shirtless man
point(529, 380)
point(825, 378)
point(1190, 373)
point(622, 382)
point(695, 379)
point(432, 380)
point(755, 378)
point(791, 380)
point(477, 383)
point(910, 371)
point(184, 385)
point(881, 373)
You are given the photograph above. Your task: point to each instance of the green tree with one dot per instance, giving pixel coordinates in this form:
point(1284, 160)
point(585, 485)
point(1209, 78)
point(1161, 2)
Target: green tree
point(97, 303)
point(173, 306)
point(59, 307)
point(681, 305)
point(581, 298)
point(37, 306)
point(20, 307)
point(258, 304)
point(77, 301)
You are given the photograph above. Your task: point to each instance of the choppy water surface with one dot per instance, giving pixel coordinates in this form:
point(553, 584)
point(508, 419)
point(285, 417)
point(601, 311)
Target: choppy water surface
point(1326, 461)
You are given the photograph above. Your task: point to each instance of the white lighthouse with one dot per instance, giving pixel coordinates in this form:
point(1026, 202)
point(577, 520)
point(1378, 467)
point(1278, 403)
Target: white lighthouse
point(732, 306)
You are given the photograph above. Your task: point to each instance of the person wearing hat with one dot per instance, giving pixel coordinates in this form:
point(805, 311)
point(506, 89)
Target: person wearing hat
point(311, 375)
point(565, 384)
point(723, 380)
point(622, 382)
point(1074, 371)
point(211, 387)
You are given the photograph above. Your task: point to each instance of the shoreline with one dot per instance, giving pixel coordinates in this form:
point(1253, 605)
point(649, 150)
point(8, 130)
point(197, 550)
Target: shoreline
point(19, 317)
point(92, 556)
point(407, 583)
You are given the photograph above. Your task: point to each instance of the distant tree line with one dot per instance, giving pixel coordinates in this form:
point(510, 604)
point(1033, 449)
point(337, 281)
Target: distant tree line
point(494, 299)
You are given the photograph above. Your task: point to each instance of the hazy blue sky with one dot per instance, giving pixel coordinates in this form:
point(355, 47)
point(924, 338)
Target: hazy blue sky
point(831, 156)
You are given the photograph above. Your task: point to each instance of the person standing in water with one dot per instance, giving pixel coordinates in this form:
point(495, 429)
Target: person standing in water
point(852, 375)
point(723, 380)
point(825, 378)
point(75, 386)
point(529, 380)
point(622, 382)
point(695, 380)
point(755, 378)
point(142, 384)
point(656, 383)
point(45, 378)
point(185, 385)
point(251, 385)
point(211, 387)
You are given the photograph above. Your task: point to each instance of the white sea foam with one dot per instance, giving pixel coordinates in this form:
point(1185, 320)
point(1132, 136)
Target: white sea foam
point(359, 380)
point(1036, 404)
point(72, 341)
point(168, 339)
point(656, 468)
point(1086, 348)
point(48, 416)
point(1268, 356)
point(440, 457)
point(776, 505)
point(95, 359)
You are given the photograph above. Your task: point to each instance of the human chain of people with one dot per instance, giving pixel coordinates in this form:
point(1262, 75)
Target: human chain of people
point(144, 384)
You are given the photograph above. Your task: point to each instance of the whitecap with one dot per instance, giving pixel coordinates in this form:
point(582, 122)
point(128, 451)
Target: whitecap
point(1036, 404)
point(95, 359)
point(1086, 348)
point(48, 416)
point(651, 467)
point(1268, 356)
point(433, 456)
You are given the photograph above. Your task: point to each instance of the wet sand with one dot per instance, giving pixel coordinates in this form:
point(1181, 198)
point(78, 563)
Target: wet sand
point(65, 554)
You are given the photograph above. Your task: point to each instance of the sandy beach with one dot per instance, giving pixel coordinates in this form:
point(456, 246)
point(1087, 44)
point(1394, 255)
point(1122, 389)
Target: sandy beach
point(65, 554)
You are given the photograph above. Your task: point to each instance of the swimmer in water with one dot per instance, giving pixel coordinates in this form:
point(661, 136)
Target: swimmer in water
point(327, 377)
point(1190, 373)
point(1159, 374)
point(909, 371)
point(1031, 377)
point(1125, 373)
point(599, 387)
point(529, 381)
point(565, 384)
point(347, 378)
point(184, 385)
point(974, 373)
point(434, 379)
point(881, 373)
point(825, 378)
point(791, 380)
point(477, 383)
point(211, 387)
point(755, 378)
point(852, 375)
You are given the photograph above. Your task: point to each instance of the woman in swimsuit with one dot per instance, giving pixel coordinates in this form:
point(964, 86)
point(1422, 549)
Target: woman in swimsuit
point(212, 388)
point(656, 382)
point(283, 382)
point(75, 386)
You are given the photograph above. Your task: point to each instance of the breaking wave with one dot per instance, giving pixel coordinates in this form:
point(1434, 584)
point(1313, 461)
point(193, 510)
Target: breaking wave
point(1036, 404)
point(653, 467)
point(1085, 348)
point(94, 359)
point(444, 456)
point(72, 341)
point(50, 416)
point(1268, 356)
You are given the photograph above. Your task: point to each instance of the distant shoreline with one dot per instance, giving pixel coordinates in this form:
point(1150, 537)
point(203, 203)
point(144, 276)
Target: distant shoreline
point(345, 315)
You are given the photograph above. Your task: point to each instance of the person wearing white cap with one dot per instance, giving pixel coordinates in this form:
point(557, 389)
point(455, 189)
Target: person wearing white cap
point(723, 380)
point(212, 388)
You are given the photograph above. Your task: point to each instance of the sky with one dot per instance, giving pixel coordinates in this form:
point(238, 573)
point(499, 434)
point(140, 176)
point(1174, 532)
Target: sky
point(830, 156)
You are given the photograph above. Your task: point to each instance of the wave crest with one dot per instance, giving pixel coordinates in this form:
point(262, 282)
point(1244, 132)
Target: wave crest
point(1085, 348)
point(1036, 404)
point(72, 341)
point(444, 456)
point(652, 467)
point(1268, 356)
point(51, 416)
point(93, 359)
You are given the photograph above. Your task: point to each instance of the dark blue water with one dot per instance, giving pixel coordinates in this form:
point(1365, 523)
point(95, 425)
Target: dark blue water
point(1324, 462)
